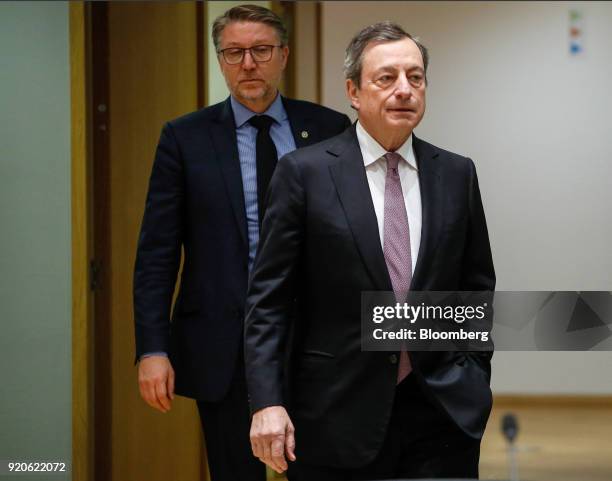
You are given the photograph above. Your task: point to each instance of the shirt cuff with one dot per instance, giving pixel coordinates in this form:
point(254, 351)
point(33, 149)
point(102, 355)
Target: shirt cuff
point(154, 353)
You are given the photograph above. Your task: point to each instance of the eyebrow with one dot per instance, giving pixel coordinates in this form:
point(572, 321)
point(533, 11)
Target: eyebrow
point(391, 68)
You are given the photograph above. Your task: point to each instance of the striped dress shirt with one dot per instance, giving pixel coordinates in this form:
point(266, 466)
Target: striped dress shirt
point(246, 134)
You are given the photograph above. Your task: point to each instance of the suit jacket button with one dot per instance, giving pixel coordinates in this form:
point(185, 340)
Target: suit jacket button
point(393, 358)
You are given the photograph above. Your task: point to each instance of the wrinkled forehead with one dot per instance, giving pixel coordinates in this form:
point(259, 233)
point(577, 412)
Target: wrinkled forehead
point(246, 34)
point(401, 54)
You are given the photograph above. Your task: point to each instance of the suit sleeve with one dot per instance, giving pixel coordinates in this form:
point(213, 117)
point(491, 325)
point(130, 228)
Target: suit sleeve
point(478, 273)
point(159, 248)
point(272, 286)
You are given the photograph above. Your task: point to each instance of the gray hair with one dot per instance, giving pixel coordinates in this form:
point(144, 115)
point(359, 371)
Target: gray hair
point(249, 13)
point(379, 32)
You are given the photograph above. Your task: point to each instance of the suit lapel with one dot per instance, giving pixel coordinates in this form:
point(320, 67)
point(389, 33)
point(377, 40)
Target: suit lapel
point(351, 183)
point(226, 145)
point(431, 205)
point(303, 128)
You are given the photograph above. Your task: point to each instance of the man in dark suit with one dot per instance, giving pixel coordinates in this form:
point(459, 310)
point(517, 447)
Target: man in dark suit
point(374, 208)
point(206, 196)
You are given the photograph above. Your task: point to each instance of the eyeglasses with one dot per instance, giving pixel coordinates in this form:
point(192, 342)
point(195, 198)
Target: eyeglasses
point(259, 53)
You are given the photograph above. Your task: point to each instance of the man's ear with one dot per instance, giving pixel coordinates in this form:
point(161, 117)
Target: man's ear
point(285, 55)
point(352, 92)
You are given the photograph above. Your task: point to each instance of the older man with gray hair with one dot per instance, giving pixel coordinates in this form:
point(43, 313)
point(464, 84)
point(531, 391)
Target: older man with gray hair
point(372, 209)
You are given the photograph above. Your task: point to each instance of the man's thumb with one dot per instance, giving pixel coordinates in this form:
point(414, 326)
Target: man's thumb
point(290, 445)
point(171, 384)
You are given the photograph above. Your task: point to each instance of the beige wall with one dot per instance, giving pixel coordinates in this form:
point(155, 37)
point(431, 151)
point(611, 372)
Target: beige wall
point(305, 51)
point(505, 91)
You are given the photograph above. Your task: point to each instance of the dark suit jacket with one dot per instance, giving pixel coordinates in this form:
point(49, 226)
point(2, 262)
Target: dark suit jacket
point(196, 202)
point(320, 243)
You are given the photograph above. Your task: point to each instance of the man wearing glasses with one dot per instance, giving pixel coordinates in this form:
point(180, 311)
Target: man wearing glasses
point(207, 196)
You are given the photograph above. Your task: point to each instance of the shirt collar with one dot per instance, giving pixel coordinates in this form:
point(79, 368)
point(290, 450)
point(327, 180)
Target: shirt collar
point(243, 114)
point(372, 150)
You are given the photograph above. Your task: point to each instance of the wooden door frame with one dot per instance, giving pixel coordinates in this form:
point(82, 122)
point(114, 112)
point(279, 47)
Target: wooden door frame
point(88, 89)
point(101, 256)
point(82, 246)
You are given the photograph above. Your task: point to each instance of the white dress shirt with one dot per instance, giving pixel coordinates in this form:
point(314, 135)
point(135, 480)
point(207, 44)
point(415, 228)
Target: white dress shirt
point(376, 171)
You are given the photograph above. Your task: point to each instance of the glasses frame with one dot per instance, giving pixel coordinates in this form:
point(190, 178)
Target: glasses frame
point(244, 51)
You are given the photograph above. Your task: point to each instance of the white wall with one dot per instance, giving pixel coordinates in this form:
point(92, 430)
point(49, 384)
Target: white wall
point(504, 90)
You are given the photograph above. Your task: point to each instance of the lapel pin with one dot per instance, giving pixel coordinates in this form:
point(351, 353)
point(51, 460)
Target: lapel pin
point(304, 134)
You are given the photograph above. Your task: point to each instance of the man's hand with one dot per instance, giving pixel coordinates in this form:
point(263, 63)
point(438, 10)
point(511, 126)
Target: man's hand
point(272, 436)
point(156, 382)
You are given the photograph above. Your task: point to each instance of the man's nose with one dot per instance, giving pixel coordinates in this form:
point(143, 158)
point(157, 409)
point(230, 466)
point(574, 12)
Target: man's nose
point(403, 87)
point(247, 62)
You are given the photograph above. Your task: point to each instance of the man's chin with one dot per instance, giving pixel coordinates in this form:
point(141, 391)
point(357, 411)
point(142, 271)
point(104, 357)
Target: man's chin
point(403, 114)
point(251, 94)
point(402, 123)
